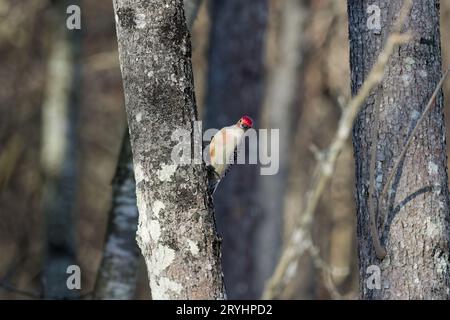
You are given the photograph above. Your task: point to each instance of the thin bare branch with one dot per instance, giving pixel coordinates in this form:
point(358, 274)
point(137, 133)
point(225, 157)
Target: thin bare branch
point(324, 169)
point(413, 133)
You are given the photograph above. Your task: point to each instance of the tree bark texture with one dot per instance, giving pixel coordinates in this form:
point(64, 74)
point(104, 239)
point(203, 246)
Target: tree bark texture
point(235, 88)
point(416, 233)
point(118, 270)
point(176, 231)
point(58, 155)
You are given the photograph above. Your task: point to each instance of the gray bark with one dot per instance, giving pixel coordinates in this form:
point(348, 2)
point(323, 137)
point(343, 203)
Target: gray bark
point(280, 110)
point(176, 231)
point(58, 155)
point(235, 88)
point(118, 270)
point(416, 233)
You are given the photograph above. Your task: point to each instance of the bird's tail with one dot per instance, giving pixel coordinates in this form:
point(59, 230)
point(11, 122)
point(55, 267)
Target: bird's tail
point(213, 180)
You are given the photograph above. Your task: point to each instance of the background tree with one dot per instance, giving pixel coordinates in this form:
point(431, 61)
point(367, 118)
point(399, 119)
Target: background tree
point(117, 278)
point(412, 216)
point(323, 88)
point(176, 230)
point(280, 110)
point(59, 152)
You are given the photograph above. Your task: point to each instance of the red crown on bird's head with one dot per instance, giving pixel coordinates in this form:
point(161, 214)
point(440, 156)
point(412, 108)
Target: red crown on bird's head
point(247, 121)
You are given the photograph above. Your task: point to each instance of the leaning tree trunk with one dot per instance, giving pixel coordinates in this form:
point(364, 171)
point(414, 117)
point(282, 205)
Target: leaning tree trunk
point(118, 270)
point(176, 231)
point(236, 84)
point(416, 232)
point(58, 155)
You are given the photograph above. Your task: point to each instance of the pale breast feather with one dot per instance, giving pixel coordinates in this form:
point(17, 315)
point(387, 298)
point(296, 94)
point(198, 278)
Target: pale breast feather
point(223, 148)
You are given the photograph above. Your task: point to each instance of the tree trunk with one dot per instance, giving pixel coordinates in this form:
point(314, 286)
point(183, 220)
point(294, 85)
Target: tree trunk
point(118, 270)
point(235, 88)
point(58, 155)
point(280, 110)
point(176, 231)
point(416, 233)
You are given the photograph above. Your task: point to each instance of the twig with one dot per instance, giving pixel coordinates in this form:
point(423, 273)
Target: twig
point(306, 245)
point(413, 133)
point(327, 270)
point(321, 264)
point(324, 168)
point(379, 249)
point(373, 205)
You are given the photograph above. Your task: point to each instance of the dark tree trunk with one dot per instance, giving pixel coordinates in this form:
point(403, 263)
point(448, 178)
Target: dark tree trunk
point(176, 231)
point(416, 232)
point(235, 88)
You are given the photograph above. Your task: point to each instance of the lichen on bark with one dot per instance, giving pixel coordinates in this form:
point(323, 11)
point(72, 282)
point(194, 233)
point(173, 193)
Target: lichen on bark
point(174, 209)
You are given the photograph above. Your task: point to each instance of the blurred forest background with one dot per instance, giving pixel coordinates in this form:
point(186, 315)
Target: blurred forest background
point(240, 70)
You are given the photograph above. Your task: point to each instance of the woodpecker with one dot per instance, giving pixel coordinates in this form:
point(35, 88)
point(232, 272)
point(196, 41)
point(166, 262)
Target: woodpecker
point(222, 152)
